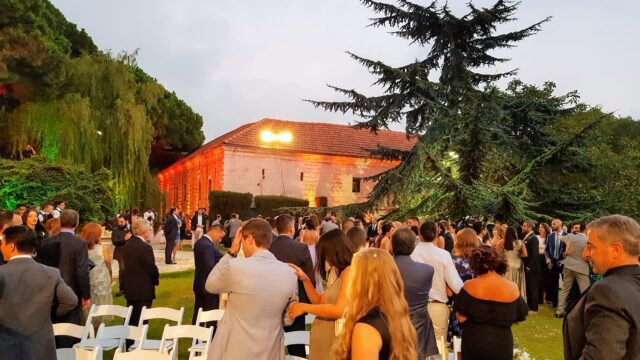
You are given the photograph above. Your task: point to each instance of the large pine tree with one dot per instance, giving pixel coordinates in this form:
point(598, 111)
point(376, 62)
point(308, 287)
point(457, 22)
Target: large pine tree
point(463, 122)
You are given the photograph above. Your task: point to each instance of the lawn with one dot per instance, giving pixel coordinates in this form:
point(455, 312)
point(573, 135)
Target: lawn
point(540, 335)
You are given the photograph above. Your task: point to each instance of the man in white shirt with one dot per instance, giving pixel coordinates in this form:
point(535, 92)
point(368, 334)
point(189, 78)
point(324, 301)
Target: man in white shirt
point(60, 205)
point(445, 275)
point(199, 225)
point(150, 216)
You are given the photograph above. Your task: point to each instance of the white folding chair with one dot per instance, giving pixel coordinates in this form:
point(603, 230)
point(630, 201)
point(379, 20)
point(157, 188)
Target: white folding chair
point(202, 318)
point(159, 313)
point(71, 330)
point(83, 354)
point(292, 357)
point(112, 337)
point(107, 310)
point(202, 334)
point(457, 347)
point(140, 354)
point(297, 338)
point(308, 319)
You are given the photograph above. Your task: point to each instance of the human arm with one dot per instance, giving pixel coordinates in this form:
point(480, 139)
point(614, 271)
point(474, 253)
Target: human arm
point(149, 264)
point(523, 251)
point(309, 287)
point(331, 311)
point(440, 242)
point(385, 244)
point(67, 299)
point(219, 279)
point(451, 276)
point(366, 342)
point(106, 255)
point(307, 265)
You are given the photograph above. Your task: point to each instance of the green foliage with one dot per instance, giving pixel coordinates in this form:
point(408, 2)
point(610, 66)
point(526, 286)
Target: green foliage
point(35, 181)
point(227, 202)
point(269, 205)
point(74, 103)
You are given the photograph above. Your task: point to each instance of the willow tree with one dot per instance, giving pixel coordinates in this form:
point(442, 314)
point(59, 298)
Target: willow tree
point(460, 118)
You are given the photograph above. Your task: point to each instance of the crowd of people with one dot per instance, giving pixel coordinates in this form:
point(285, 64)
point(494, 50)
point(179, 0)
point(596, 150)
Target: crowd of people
point(378, 289)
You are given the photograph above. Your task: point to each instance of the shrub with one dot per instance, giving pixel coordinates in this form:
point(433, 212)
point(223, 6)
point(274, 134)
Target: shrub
point(227, 202)
point(35, 181)
point(268, 205)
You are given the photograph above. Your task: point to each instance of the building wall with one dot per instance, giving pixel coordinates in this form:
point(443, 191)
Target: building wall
point(322, 175)
point(186, 184)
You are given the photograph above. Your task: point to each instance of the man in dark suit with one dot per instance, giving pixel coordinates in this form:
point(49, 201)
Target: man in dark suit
point(141, 273)
point(69, 254)
point(28, 291)
point(118, 234)
point(206, 256)
point(554, 254)
point(170, 234)
point(417, 278)
point(288, 250)
point(604, 322)
point(199, 225)
point(531, 267)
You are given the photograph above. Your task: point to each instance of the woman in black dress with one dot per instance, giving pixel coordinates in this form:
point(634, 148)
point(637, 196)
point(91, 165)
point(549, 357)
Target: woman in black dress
point(487, 306)
point(377, 324)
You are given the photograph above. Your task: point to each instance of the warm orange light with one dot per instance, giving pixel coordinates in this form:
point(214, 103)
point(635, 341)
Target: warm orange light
point(283, 137)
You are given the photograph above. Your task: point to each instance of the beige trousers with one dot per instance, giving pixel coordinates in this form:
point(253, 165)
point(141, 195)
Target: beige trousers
point(439, 314)
point(197, 234)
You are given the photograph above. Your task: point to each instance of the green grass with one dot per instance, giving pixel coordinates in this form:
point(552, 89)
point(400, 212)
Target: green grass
point(540, 335)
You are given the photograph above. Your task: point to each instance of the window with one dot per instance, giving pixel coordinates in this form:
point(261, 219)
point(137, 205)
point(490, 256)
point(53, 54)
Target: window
point(321, 201)
point(301, 176)
point(355, 185)
point(209, 185)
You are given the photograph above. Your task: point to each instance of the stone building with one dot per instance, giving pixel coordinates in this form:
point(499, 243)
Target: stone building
point(323, 163)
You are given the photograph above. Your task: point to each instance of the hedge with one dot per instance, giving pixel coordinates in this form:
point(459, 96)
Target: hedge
point(227, 202)
point(268, 205)
point(35, 181)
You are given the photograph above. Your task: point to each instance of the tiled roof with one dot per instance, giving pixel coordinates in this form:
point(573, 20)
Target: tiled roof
point(311, 137)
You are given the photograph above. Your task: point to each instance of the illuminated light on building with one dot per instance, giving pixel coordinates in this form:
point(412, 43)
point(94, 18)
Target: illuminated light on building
point(267, 157)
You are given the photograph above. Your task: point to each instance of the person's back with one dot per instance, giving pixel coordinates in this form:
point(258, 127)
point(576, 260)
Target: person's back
point(27, 293)
point(574, 260)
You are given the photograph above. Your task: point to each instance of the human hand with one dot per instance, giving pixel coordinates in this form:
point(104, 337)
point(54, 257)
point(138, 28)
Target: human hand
point(299, 273)
point(237, 241)
point(295, 310)
point(86, 303)
point(548, 261)
point(128, 235)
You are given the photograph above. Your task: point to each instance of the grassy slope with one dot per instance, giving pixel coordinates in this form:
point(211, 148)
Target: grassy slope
point(540, 335)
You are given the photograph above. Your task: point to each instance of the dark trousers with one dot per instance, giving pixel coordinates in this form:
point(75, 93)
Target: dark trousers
point(74, 317)
point(298, 325)
point(118, 257)
point(532, 279)
point(207, 302)
point(137, 309)
point(168, 250)
point(554, 283)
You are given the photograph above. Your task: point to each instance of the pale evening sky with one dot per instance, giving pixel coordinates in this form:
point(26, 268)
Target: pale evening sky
point(237, 61)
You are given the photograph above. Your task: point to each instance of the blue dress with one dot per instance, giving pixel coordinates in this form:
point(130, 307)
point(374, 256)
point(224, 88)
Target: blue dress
point(465, 272)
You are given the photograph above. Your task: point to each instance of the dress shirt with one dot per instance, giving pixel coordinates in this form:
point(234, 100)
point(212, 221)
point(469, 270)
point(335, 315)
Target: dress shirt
point(199, 219)
point(444, 270)
point(21, 257)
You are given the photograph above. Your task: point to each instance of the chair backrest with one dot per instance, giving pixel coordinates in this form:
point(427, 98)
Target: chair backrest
point(106, 310)
point(296, 338)
point(140, 354)
point(207, 316)
point(194, 332)
point(68, 329)
point(121, 333)
point(85, 354)
point(308, 319)
point(161, 313)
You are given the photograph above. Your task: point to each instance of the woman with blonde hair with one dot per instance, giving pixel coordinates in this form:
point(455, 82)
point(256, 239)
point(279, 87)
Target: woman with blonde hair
point(377, 324)
point(100, 274)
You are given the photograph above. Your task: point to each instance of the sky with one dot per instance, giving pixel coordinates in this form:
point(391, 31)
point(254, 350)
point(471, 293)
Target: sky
point(238, 61)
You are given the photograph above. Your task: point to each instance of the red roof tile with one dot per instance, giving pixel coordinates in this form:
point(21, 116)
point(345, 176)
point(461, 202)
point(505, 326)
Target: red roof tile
point(311, 137)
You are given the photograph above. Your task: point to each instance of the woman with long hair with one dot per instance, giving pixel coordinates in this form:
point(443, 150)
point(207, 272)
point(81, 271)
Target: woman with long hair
point(487, 306)
point(384, 239)
point(544, 230)
point(514, 251)
point(30, 219)
point(53, 226)
point(466, 242)
point(100, 274)
point(498, 236)
point(377, 324)
point(334, 261)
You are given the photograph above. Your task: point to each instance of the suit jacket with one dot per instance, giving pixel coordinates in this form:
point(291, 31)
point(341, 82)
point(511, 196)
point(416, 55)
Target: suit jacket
point(205, 256)
point(205, 222)
point(69, 254)
point(171, 228)
point(531, 263)
point(117, 236)
point(574, 262)
point(417, 278)
point(27, 293)
point(604, 322)
point(549, 249)
point(140, 275)
point(260, 288)
point(288, 250)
